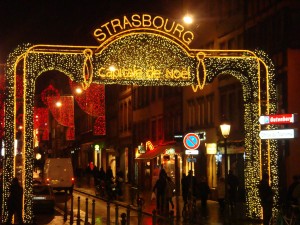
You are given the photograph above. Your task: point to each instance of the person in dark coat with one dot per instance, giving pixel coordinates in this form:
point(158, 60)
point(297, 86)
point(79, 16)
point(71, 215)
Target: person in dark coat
point(160, 188)
point(233, 184)
point(266, 197)
point(102, 175)
point(192, 186)
point(15, 201)
point(291, 200)
point(204, 191)
point(109, 174)
point(184, 188)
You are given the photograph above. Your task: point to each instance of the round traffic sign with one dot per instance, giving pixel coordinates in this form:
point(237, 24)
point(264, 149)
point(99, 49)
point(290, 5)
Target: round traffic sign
point(191, 141)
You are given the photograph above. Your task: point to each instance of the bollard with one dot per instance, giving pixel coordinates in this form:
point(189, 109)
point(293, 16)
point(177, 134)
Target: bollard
point(93, 212)
point(78, 212)
point(66, 208)
point(71, 212)
point(171, 217)
point(86, 211)
point(108, 213)
point(154, 218)
point(128, 215)
point(117, 215)
point(139, 213)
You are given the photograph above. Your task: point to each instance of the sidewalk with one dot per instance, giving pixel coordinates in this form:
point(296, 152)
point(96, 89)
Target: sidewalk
point(210, 216)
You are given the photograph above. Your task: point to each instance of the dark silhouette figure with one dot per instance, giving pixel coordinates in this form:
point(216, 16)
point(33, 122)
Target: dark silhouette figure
point(91, 172)
point(291, 200)
point(233, 184)
point(15, 201)
point(160, 188)
point(119, 182)
point(170, 188)
point(192, 186)
point(110, 184)
point(266, 196)
point(184, 188)
point(109, 174)
point(101, 174)
point(204, 191)
point(221, 193)
point(1, 195)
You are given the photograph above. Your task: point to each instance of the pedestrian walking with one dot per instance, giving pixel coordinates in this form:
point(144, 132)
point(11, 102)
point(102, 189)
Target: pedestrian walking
point(1, 194)
point(15, 201)
point(192, 186)
point(291, 200)
point(184, 188)
point(160, 189)
point(170, 190)
point(233, 184)
point(119, 182)
point(204, 191)
point(109, 174)
point(266, 197)
point(221, 193)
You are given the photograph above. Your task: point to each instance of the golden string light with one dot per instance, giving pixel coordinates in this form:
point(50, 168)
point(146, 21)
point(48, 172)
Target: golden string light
point(143, 59)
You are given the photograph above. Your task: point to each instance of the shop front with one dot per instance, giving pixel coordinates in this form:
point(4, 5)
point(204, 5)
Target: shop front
point(167, 156)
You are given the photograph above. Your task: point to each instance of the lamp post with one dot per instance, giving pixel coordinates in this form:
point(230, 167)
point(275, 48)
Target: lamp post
point(225, 130)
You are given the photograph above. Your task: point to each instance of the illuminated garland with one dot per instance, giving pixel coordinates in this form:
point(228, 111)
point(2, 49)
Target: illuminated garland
point(133, 50)
point(41, 117)
point(14, 59)
point(248, 72)
point(64, 114)
point(91, 100)
point(50, 91)
point(100, 126)
point(144, 52)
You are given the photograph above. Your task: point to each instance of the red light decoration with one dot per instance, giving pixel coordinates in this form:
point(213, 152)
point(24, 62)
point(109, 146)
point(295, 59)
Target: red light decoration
point(64, 115)
point(41, 116)
point(70, 134)
point(99, 126)
point(92, 102)
point(50, 91)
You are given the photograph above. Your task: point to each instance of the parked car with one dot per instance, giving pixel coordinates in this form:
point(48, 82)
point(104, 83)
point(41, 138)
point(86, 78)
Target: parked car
point(43, 198)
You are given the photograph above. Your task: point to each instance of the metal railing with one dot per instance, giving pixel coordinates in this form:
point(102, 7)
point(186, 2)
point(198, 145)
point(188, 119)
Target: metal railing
point(122, 212)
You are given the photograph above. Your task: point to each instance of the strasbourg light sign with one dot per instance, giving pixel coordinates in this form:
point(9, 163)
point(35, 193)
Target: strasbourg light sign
point(145, 21)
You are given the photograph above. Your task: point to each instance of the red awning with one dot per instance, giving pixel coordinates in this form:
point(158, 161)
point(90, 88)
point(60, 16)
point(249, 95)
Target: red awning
point(160, 149)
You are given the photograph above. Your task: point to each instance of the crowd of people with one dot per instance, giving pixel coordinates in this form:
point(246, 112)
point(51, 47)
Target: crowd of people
point(165, 189)
point(104, 182)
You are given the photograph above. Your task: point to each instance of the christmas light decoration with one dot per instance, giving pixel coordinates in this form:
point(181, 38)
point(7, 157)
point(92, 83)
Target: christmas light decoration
point(50, 91)
point(41, 117)
point(92, 101)
point(63, 113)
point(148, 57)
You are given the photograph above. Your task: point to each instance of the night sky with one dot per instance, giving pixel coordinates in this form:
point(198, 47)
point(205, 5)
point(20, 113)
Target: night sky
point(65, 22)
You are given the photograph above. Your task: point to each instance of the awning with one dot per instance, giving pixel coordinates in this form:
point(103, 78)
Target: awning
point(160, 149)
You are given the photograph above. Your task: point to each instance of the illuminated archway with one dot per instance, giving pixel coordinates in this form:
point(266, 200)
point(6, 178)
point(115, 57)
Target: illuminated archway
point(147, 50)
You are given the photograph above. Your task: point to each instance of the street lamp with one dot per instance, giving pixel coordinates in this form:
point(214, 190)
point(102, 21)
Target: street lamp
point(225, 130)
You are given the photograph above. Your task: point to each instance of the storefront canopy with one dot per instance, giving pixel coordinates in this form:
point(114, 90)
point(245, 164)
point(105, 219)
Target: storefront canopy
point(161, 149)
